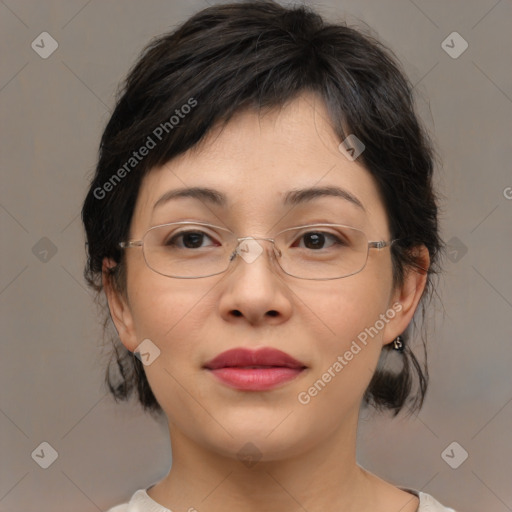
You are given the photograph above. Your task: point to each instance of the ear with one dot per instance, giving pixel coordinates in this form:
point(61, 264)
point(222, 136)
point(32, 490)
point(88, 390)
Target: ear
point(405, 298)
point(119, 308)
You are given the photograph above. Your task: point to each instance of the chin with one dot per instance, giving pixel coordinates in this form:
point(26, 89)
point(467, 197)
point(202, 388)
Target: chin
point(252, 448)
point(259, 436)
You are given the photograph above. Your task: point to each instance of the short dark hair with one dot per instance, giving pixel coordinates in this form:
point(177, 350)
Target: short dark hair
point(261, 55)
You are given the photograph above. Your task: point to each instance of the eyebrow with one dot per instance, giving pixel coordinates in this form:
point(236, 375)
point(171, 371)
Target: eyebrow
point(208, 195)
point(308, 194)
point(292, 197)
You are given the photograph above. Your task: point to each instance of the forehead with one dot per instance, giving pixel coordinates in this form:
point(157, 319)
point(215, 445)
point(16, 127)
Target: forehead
point(256, 161)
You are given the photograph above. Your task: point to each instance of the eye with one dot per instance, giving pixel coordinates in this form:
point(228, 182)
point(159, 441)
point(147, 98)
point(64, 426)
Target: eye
point(317, 240)
point(188, 240)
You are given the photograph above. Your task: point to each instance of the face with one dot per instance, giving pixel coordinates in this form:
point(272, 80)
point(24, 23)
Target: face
point(254, 162)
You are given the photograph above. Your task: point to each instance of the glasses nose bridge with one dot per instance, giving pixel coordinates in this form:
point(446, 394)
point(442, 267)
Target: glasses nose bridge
point(242, 239)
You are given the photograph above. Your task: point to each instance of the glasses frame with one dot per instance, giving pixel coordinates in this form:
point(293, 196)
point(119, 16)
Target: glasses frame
point(380, 244)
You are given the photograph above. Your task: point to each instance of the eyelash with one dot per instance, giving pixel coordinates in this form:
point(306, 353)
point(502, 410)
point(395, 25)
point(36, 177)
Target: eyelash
point(336, 240)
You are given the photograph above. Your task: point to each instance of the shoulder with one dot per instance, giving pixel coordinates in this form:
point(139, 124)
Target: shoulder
point(133, 505)
point(429, 504)
point(426, 502)
point(139, 502)
point(119, 508)
point(423, 503)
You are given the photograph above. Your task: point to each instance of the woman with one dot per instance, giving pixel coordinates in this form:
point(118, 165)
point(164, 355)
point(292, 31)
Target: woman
point(263, 224)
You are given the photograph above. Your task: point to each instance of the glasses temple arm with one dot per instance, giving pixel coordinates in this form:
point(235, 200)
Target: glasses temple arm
point(130, 243)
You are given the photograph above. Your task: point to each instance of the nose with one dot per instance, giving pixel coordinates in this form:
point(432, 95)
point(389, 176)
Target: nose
point(251, 291)
point(249, 249)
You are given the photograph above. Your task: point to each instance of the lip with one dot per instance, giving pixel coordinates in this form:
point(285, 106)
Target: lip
point(254, 370)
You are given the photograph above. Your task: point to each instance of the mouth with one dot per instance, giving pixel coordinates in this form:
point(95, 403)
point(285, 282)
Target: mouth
point(250, 370)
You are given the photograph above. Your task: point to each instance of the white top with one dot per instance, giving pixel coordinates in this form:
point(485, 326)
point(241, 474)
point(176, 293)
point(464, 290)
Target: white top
point(141, 502)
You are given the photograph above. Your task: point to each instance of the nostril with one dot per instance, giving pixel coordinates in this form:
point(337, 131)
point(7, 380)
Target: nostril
point(272, 312)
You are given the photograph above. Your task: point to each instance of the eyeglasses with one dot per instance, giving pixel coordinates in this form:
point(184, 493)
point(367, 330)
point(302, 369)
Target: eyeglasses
point(191, 250)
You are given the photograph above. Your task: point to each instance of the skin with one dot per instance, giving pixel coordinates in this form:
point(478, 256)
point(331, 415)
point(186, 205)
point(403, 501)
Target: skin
point(308, 456)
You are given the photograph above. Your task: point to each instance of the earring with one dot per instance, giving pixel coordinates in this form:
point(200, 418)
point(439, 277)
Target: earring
point(398, 344)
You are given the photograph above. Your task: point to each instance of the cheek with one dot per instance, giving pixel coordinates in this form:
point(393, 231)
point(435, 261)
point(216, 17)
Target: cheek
point(170, 315)
point(160, 305)
point(348, 306)
point(351, 317)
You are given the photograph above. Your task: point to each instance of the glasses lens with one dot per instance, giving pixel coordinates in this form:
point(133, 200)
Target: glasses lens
point(188, 250)
point(322, 251)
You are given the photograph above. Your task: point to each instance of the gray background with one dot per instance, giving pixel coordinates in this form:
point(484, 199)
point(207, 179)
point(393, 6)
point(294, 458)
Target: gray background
point(51, 373)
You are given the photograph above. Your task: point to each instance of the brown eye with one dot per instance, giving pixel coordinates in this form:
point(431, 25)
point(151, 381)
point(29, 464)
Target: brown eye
point(315, 240)
point(189, 240)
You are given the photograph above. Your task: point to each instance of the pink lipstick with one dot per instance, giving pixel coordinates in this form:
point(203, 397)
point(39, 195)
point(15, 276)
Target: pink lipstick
point(258, 370)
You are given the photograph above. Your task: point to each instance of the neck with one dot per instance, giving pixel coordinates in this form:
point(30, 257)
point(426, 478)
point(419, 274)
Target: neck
point(323, 477)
